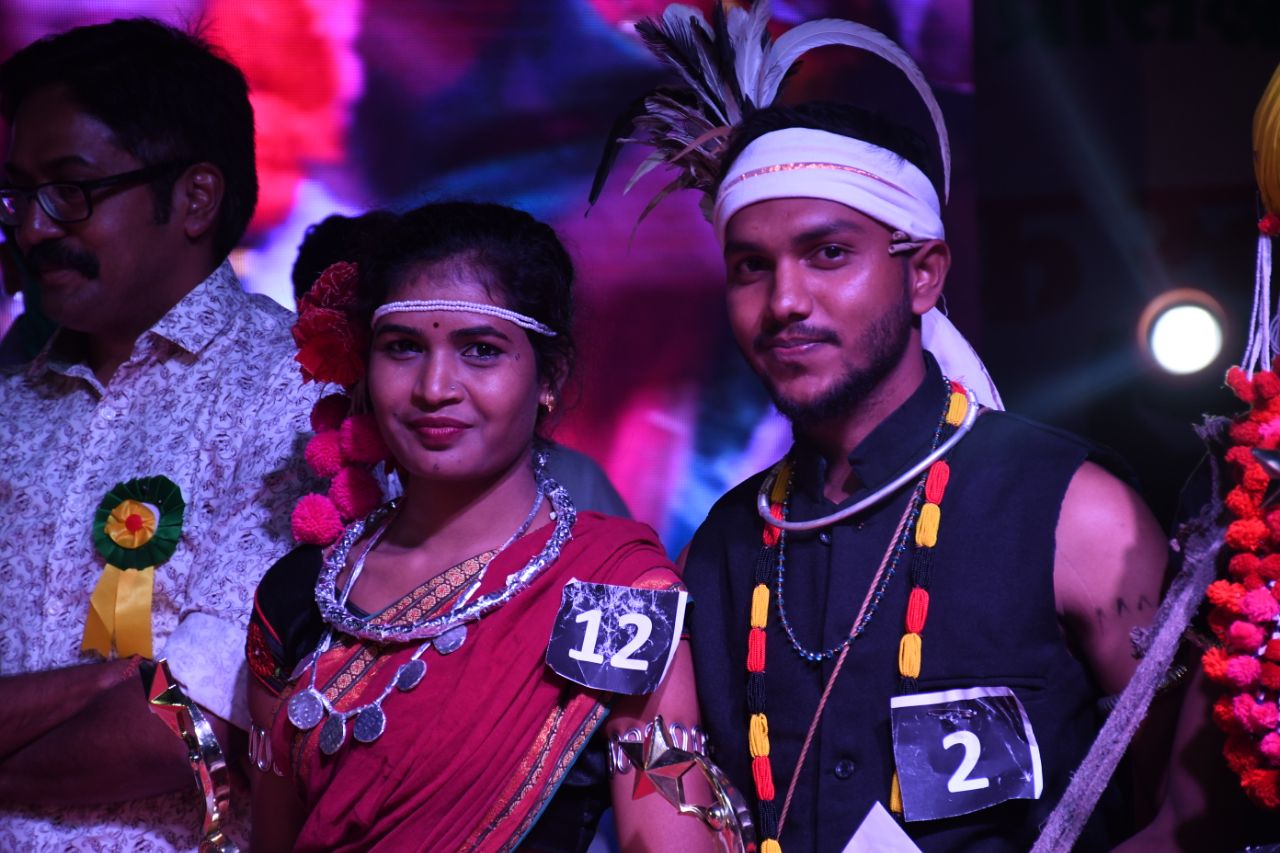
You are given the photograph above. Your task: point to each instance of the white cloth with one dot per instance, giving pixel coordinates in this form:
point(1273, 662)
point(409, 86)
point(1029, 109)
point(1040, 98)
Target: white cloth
point(957, 358)
point(800, 162)
point(211, 398)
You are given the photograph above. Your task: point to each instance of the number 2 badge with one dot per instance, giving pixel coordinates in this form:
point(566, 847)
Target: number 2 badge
point(958, 751)
point(616, 638)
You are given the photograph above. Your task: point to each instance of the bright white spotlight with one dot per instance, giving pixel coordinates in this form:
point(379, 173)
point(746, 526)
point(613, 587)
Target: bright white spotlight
point(1182, 331)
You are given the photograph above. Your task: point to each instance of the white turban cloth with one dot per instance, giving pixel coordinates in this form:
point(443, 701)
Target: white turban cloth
point(805, 163)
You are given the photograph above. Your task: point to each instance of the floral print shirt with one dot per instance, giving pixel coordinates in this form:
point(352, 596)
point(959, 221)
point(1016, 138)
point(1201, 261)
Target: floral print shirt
point(210, 398)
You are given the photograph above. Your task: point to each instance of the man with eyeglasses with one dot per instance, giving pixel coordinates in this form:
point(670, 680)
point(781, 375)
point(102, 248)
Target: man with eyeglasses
point(128, 178)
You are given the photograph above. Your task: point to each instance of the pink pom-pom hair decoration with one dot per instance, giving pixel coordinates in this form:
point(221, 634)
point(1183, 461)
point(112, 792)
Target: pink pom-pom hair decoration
point(324, 453)
point(362, 440)
point(355, 492)
point(316, 521)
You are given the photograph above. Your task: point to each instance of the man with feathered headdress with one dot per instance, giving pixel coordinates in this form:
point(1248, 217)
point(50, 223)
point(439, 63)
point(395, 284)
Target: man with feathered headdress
point(905, 623)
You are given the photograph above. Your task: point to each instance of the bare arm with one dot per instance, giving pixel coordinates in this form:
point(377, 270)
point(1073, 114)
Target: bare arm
point(1108, 570)
point(277, 811)
point(1111, 560)
point(1204, 808)
point(114, 749)
point(38, 702)
point(651, 823)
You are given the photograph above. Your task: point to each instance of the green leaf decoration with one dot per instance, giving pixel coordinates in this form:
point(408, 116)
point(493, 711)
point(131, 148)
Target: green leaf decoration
point(166, 497)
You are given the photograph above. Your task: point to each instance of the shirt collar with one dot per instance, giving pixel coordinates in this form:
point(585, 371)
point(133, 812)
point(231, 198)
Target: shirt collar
point(192, 324)
point(898, 441)
point(203, 313)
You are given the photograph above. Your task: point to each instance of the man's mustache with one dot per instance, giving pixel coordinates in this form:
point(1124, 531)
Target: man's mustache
point(54, 254)
point(800, 333)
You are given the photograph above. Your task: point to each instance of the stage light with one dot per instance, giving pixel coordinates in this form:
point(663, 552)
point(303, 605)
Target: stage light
point(1181, 331)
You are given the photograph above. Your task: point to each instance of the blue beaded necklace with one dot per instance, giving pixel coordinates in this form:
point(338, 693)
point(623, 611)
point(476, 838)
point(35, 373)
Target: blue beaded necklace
point(899, 546)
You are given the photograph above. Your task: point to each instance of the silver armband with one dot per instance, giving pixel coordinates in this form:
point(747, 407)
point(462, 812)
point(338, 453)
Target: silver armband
point(260, 750)
point(688, 738)
point(661, 765)
point(179, 712)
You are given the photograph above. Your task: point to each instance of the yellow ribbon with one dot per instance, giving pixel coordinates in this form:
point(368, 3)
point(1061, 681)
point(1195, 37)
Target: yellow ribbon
point(120, 611)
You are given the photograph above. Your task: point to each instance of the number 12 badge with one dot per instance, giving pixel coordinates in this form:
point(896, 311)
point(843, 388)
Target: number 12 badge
point(616, 638)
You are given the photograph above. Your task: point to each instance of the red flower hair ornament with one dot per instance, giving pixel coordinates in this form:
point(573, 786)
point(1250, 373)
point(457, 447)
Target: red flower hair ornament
point(332, 344)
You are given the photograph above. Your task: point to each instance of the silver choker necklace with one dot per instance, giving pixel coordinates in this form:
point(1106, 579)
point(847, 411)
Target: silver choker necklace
point(334, 611)
point(766, 485)
point(447, 633)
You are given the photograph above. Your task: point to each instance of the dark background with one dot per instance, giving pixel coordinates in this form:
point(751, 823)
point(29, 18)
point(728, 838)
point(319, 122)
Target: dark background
point(1102, 156)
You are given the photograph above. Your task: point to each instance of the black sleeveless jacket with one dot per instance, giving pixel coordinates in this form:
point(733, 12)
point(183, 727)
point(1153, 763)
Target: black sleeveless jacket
point(991, 622)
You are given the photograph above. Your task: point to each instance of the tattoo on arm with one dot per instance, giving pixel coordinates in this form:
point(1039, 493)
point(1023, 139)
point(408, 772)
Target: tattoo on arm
point(1123, 606)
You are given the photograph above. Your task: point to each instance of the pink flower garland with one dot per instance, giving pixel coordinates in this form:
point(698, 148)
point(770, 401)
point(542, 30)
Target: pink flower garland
point(1245, 606)
point(345, 447)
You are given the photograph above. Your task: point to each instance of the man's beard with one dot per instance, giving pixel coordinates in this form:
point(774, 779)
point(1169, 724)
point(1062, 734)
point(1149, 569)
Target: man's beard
point(886, 343)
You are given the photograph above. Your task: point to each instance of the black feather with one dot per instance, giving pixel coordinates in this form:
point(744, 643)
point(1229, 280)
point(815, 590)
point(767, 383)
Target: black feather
point(620, 130)
point(724, 53)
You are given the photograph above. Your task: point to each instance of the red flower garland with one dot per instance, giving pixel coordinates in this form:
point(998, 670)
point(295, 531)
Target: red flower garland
point(331, 346)
point(1245, 606)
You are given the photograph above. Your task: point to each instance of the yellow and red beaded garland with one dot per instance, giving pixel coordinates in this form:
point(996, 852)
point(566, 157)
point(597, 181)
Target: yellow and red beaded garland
point(910, 647)
point(909, 651)
point(758, 727)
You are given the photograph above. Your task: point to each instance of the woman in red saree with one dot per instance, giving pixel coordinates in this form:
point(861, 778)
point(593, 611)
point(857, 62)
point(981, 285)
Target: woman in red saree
point(400, 676)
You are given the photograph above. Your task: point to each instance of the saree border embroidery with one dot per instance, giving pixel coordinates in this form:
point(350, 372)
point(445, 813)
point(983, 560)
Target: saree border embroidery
point(543, 767)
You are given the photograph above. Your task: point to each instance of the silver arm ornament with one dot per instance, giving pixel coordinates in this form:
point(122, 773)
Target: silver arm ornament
point(661, 766)
point(179, 712)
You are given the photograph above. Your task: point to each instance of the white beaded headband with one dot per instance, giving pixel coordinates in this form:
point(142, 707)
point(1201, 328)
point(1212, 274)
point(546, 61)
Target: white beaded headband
point(521, 320)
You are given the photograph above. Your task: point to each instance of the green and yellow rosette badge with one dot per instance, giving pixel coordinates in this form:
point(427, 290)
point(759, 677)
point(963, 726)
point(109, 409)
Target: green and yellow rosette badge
point(135, 529)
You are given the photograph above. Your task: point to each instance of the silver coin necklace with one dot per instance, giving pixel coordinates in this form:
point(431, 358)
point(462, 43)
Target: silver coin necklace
point(309, 706)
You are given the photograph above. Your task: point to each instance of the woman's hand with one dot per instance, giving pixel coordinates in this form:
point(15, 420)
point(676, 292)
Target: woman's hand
point(277, 811)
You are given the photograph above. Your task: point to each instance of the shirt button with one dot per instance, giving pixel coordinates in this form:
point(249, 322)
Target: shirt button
point(825, 537)
point(844, 769)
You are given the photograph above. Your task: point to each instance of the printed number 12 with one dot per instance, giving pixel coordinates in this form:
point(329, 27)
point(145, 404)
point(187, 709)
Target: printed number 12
point(622, 658)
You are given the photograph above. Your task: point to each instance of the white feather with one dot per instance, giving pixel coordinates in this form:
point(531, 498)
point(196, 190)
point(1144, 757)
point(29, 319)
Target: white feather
point(747, 32)
point(799, 40)
point(679, 21)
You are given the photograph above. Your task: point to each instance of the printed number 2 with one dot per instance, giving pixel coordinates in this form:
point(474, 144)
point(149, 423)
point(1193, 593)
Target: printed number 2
point(622, 658)
point(960, 781)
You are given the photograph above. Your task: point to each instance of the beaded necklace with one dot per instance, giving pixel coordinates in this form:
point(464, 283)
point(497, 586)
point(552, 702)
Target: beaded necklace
point(334, 611)
point(920, 522)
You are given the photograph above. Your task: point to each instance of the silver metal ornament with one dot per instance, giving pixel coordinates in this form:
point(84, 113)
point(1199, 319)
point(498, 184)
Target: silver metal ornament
point(410, 675)
point(450, 641)
point(333, 734)
point(306, 709)
point(370, 724)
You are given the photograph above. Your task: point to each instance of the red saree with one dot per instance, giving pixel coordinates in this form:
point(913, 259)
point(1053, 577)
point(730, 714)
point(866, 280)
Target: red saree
point(470, 756)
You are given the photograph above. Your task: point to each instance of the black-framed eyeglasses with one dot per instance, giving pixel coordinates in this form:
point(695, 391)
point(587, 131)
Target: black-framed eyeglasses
point(71, 201)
